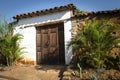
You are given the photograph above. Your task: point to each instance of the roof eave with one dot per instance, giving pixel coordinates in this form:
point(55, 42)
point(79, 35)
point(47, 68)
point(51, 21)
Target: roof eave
point(45, 11)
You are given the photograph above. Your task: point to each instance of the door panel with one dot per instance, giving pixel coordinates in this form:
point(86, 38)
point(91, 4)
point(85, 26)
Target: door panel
point(47, 39)
point(53, 40)
point(38, 57)
point(38, 40)
point(53, 44)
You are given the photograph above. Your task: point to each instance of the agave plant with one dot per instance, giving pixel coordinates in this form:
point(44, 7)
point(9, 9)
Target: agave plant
point(95, 42)
point(9, 44)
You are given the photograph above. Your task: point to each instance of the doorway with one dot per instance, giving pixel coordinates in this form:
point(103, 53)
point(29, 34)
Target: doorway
point(50, 44)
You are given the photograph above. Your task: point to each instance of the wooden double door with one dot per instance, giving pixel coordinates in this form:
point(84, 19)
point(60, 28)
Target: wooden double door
point(50, 44)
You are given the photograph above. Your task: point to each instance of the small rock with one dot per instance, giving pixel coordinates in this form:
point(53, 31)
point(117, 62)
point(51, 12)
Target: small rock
point(66, 73)
point(1, 69)
point(66, 78)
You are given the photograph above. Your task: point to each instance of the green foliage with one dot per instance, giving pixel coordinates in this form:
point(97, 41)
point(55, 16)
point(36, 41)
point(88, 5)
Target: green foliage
point(93, 77)
point(76, 73)
point(118, 63)
point(93, 44)
point(1, 68)
point(9, 44)
point(80, 70)
point(78, 11)
point(117, 8)
point(5, 28)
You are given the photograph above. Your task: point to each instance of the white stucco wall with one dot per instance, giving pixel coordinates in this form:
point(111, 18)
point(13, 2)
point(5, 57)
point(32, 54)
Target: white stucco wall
point(67, 33)
point(29, 33)
point(28, 41)
point(44, 18)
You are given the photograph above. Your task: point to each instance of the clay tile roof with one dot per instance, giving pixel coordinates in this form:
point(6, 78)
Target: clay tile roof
point(99, 12)
point(45, 11)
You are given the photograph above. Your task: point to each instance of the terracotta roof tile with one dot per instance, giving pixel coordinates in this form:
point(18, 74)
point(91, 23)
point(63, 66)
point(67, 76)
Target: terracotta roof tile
point(98, 12)
point(45, 11)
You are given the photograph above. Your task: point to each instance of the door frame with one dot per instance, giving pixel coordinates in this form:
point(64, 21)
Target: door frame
point(60, 26)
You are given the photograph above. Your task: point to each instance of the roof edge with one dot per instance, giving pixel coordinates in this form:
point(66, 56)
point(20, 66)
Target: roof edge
point(45, 11)
point(98, 12)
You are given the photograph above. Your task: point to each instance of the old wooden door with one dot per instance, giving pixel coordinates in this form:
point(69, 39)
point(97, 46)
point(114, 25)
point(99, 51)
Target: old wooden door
point(49, 45)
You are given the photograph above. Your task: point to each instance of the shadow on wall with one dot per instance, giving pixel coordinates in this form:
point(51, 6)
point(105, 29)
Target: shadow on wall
point(68, 55)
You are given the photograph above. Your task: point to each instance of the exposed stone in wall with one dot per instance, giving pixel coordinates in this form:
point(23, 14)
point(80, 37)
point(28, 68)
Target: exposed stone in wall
point(74, 27)
point(77, 24)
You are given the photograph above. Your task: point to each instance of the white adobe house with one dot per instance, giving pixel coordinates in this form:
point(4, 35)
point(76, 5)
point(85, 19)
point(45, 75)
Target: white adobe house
point(46, 33)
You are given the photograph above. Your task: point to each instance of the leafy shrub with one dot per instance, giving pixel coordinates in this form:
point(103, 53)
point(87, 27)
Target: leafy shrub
point(93, 44)
point(9, 43)
point(94, 77)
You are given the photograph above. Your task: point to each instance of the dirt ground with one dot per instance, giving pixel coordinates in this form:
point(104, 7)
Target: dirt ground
point(55, 72)
point(88, 74)
point(31, 72)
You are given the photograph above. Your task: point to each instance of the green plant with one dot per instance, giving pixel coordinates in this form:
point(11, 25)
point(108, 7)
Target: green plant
point(78, 11)
point(94, 77)
point(1, 68)
point(9, 44)
point(80, 70)
point(93, 44)
point(5, 28)
point(118, 62)
point(10, 48)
